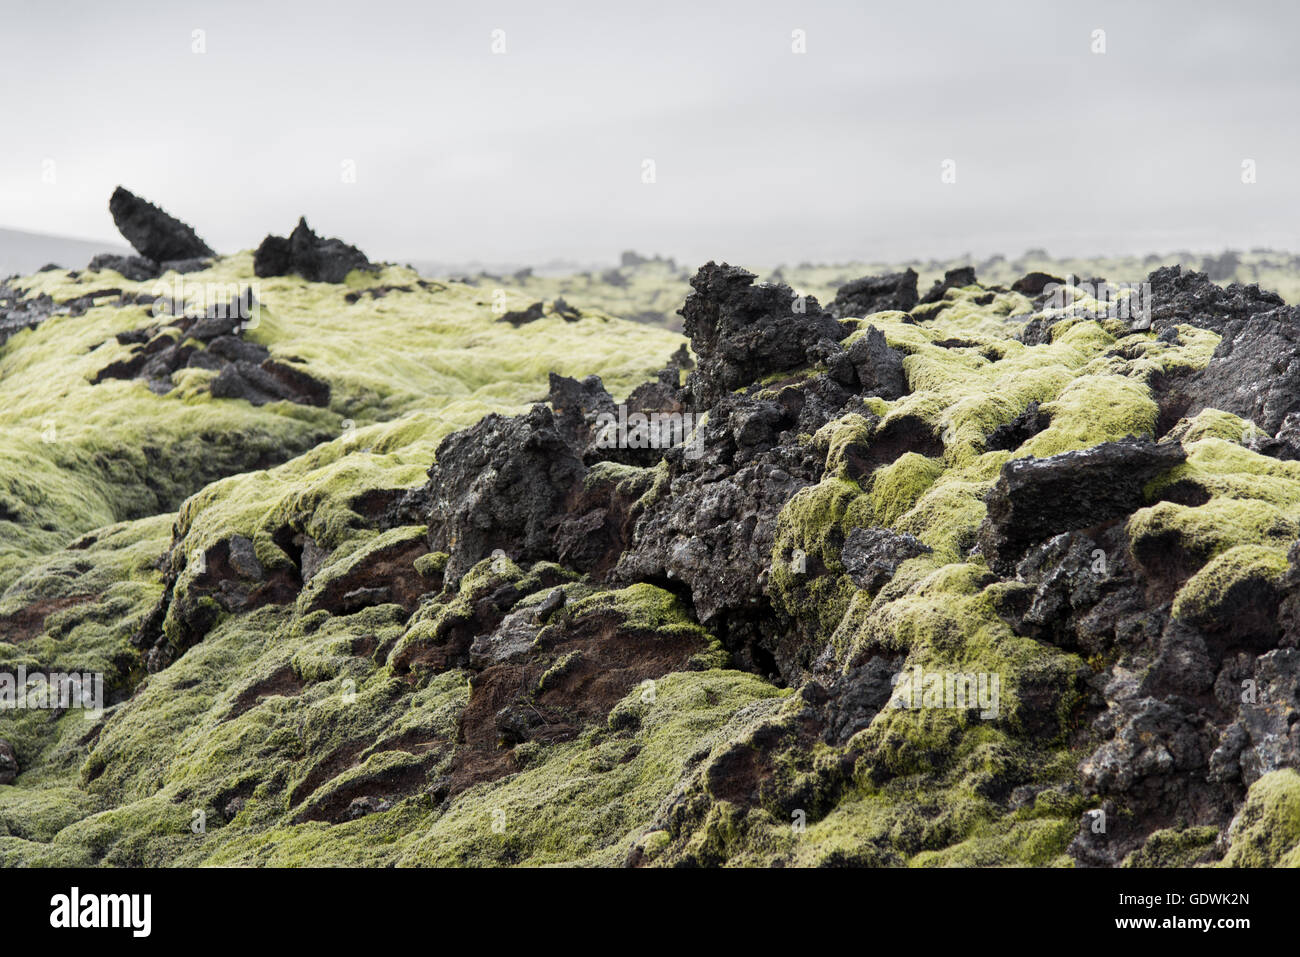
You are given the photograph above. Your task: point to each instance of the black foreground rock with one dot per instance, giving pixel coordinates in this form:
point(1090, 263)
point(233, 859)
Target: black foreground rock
point(1035, 499)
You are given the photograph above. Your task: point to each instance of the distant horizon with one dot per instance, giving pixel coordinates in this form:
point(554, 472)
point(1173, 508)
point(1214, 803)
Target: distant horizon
point(118, 245)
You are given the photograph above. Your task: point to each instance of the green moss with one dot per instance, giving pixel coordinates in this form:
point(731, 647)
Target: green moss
point(1175, 847)
point(1209, 588)
point(586, 803)
point(1266, 832)
point(38, 814)
point(806, 578)
point(895, 488)
point(279, 718)
point(642, 607)
point(1035, 843)
point(92, 455)
point(360, 551)
point(1226, 470)
point(1203, 531)
point(1213, 424)
point(431, 564)
point(834, 439)
point(1094, 409)
point(205, 729)
point(659, 481)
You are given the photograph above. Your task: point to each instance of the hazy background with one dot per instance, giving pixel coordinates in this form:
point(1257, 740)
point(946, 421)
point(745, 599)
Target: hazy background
point(761, 155)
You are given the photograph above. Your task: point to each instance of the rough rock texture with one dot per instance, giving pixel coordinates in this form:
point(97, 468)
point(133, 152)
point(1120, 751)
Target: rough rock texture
point(139, 269)
point(878, 369)
point(500, 486)
point(213, 341)
point(522, 317)
point(1255, 372)
point(19, 309)
point(741, 331)
point(952, 279)
point(1035, 283)
point(871, 294)
point(19, 312)
point(871, 556)
point(1019, 430)
point(1035, 499)
point(308, 255)
point(1190, 297)
point(1265, 736)
point(135, 268)
point(153, 233)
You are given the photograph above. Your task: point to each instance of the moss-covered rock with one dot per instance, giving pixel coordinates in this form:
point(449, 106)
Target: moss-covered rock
point(318, 649)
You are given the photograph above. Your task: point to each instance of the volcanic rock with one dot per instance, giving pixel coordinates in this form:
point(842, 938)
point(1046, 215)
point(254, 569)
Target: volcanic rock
point(1255, 371)
point(135, 268)
point(1191, 298)
point(1034, 499)
point(742, 331)
point(1266, 733)
point(872, 555)
point(952, 279)
point(870, 294)
point(520, 317)
point(1019, 430)
point(154, 234)
point(500, 485)
point(1033, 284)
point(268, 381)
point(878, 369)
point(308, 255)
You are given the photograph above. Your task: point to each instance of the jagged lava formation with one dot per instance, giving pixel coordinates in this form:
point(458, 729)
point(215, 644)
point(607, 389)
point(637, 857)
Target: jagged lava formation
point(469, 631)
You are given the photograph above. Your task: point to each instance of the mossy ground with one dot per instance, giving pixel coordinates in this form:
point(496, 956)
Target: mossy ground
point(1266, 832)
point(267, 727)
point(76, 456)
point(113, 462)
point(942, 768)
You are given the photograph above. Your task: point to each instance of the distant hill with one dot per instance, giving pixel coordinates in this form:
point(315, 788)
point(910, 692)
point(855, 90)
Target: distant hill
point(22, 253)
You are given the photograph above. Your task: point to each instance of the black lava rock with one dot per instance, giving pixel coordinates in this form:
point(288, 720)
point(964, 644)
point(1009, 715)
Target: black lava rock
point(308, 255)
point(862, 297)
point(742, 331)
point(872, 555)
point(500, 484)
point(1035, 499)
point(154, 234)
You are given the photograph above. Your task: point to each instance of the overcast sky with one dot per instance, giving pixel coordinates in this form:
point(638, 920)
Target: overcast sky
point(760, 154)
